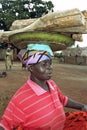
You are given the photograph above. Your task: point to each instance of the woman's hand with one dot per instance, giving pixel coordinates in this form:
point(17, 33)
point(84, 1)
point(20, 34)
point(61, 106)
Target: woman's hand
point(1, 128)
point(84, 108)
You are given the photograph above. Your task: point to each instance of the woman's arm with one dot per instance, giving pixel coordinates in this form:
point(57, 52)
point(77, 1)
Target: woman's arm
point(76, 105)
point(1, 128)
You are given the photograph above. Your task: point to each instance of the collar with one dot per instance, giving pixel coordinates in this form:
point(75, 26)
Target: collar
point(37, 89)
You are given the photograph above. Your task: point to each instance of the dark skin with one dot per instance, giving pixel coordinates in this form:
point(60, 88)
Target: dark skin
point(1, 128)
point(42, 72)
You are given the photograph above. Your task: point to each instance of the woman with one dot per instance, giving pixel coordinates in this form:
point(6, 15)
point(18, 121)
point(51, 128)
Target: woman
point(38, 104)
point(9, 59)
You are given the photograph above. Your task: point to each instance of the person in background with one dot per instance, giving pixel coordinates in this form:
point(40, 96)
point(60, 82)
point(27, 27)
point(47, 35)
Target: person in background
point(9, 58)
point(39, 103)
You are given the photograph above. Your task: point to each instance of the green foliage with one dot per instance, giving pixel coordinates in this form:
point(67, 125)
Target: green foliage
point(42, 36)
point(56, 55)
point(22, 9)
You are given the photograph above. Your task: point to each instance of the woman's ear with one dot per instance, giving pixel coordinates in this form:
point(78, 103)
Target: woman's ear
point(30, 68)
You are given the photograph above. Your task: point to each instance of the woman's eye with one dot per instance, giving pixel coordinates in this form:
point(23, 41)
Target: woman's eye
point(46, 63)
point(43, 64)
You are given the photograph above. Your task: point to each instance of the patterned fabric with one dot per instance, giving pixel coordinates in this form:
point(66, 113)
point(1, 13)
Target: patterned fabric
point(33, 57)
point(21, 54)
point(76, 121)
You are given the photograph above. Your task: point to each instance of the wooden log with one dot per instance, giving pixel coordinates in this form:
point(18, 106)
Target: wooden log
point(77, 37)
point(72, 30)
point(59, 19)
point(64, 19)
point(18, 24)
point(85, 13)
point(69, 21)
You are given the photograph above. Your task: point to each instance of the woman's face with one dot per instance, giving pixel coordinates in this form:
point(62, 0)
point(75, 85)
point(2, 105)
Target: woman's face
point(42, 70)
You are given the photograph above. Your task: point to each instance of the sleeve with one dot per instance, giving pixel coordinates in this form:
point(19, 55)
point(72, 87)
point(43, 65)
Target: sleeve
point(62, 97)
point(12, 117)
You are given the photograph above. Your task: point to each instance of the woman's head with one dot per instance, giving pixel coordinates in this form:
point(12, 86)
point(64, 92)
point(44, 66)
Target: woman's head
point(41, 70)
point(39, 63)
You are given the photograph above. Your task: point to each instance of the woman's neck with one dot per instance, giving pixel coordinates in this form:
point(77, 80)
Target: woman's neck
point(42, 83)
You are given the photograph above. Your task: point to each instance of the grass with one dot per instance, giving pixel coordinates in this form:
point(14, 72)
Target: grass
point(42, 36)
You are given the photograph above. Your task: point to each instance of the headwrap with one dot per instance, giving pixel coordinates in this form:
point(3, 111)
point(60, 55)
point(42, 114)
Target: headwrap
point(40, 46)
point(33, 57)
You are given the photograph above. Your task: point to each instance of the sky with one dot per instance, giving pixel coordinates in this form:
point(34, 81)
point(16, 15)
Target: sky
point(61, 5)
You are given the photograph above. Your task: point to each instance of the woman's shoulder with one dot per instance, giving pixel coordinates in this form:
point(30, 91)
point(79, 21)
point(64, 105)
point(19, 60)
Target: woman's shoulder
point(53, 83)
point(20, 94)
point(21, 90)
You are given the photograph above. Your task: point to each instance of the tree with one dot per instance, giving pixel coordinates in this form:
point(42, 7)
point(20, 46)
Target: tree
point(12, 10)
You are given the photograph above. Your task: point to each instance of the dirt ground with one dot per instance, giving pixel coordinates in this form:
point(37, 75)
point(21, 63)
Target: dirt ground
point(71, 79)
